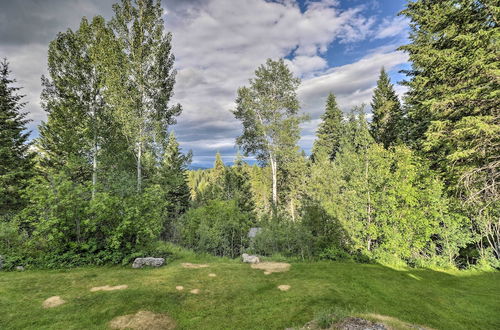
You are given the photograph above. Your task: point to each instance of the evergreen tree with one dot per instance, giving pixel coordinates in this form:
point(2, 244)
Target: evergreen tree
point(330, 129)
point(219, 167)
point(16, 160)
point(453, 101)
point(237, 185)
point(173, 180)
point(143, 107)
point(386, 126)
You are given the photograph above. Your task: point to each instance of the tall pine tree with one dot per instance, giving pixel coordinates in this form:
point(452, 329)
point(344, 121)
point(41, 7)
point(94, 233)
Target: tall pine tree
point(387, 123)
point(16, 160)
point(453, 101)
point(173, 180)
point(330, 129)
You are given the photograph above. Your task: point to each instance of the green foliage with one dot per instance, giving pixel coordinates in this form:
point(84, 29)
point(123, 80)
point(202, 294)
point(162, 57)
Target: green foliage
point(330, 130)
point(16, 165)
point(387, 202)
point(453, 101)
point(387, 126)
point(268, 110)
point(68, 227)
point(172, 178)
point(284, 237)
point(219, 228)
point(224, 183)
point(142, 96)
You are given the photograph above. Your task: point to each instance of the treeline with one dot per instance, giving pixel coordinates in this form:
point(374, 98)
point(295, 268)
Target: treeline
point(106, 182)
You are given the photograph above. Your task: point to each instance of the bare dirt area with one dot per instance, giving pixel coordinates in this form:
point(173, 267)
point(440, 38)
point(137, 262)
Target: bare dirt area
point(53, 302)
point(193, 266)
point(284, 287)
point(143, 320)
point(272, 267)
point(109, 288)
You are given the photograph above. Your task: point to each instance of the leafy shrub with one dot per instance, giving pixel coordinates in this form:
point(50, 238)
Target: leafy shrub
point(67, 227)
point(219, 228)
point(282, 236)
point(335, 253)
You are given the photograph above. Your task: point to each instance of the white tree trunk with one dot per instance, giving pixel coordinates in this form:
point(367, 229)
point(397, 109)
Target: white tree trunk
point(274, 170)
point(94, 168)
point(139, 166)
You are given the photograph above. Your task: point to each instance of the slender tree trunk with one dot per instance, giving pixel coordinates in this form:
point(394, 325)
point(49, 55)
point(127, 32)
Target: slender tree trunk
point(275, 180)
point(139, 166)
point(369, 206)
point(94, 167)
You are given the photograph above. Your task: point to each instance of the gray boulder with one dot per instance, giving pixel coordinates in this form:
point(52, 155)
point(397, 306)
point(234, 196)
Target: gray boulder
point(20, 268)
point(254, 231)
point(149, 261)
point(250, 259)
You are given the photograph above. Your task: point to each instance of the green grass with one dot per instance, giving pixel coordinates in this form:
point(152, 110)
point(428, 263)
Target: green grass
point(244, 298)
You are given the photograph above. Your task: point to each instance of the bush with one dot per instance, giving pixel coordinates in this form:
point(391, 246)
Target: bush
point(282, 236)
point(67, 227)
point(219, 228)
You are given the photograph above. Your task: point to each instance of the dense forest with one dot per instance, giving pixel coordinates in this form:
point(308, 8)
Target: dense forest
point(106, 181)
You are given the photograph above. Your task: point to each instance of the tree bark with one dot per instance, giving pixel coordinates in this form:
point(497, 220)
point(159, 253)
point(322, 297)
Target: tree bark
point(369, 205)
point(94, 168)
point(139, 166)
point(275, 180)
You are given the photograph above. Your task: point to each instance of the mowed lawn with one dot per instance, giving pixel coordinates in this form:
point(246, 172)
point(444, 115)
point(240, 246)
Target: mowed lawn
point(243, 298)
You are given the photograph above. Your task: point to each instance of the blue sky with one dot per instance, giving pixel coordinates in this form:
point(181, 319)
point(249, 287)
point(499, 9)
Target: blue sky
point(332, 45)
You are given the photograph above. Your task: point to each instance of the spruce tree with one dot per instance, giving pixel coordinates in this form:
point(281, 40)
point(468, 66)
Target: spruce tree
point(173, 180)
point(386, 126)
point(237, 185)
point(453, 101)
point(330, 130)
point(16, 160)
point(218, 170)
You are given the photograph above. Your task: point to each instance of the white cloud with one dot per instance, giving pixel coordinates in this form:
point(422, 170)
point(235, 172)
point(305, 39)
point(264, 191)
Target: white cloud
point(352, 85)
point(392, 27)
point(218, 44)
point(218, 47)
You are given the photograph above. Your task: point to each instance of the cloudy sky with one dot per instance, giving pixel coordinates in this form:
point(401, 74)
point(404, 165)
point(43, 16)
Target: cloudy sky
point(332, 45)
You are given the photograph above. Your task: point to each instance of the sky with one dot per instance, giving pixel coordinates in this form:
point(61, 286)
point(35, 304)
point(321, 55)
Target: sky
point(334, 46)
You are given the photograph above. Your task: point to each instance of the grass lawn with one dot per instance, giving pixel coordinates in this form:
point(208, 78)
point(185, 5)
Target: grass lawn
point(243, 298)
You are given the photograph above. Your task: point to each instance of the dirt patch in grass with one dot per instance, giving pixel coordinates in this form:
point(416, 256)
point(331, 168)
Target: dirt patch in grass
point(179, 288)
point(143, 320)
point(272, 267)
point(284, 287)
point(193, 266)
point(108, 288)
point(395, 322)
point(195, 291)
point(53, 302)
point(212, 275)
